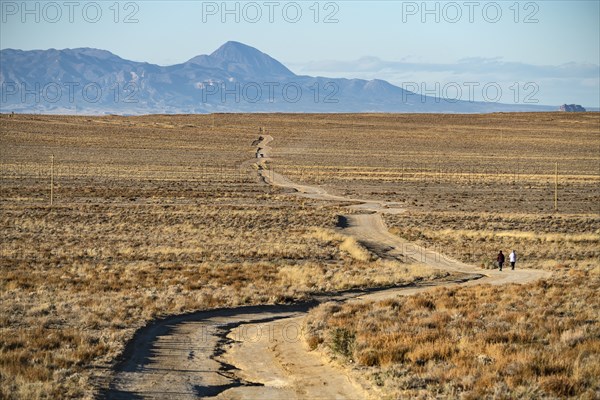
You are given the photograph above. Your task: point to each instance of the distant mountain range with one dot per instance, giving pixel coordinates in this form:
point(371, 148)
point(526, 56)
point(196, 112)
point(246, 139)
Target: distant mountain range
point(234, 78)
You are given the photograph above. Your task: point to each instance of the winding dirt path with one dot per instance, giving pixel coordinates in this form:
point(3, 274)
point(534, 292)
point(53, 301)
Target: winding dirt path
point(258, 352)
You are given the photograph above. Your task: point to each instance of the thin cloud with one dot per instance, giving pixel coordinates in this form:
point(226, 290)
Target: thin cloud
point(555, 84)
point(474, 65)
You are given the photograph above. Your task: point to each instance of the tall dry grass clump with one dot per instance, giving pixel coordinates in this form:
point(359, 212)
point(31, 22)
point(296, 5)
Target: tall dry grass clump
point(356, 267)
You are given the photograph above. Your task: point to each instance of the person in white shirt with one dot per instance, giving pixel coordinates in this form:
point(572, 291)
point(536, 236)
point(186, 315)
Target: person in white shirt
point(512, 257)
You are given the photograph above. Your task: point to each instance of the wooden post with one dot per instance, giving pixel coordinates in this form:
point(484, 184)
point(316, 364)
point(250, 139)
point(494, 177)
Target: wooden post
point(51, 179)
point(556, 187)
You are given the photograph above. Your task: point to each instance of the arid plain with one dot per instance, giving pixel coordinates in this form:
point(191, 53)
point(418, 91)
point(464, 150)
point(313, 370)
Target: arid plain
point(155, 216)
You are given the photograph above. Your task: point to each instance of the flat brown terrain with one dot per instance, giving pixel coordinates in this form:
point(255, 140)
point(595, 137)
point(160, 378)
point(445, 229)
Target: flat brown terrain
point(160, 215)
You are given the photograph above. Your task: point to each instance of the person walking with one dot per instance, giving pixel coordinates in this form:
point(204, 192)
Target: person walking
point(500, 260)
point(512, 257)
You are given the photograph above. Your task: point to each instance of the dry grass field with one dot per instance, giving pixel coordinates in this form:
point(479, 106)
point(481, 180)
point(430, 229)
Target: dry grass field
point(498, 163)
point(152, 216)
point(539, 340)
point(159, 215)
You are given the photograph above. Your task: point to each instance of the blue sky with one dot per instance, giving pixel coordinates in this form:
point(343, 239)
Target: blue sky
point(541, 51)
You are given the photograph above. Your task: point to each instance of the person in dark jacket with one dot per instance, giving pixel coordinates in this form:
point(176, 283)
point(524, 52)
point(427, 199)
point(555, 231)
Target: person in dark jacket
point(500, 260)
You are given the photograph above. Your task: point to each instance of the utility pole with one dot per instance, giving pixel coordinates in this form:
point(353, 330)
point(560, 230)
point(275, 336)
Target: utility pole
point(556, 187)
point(51, 180)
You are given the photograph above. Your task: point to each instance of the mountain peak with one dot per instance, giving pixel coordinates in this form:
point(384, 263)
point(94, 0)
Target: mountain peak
point(242, 59)
point(232, 50)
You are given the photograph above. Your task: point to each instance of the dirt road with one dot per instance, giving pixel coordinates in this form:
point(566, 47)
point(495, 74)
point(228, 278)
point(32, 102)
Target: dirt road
point(258, 352)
